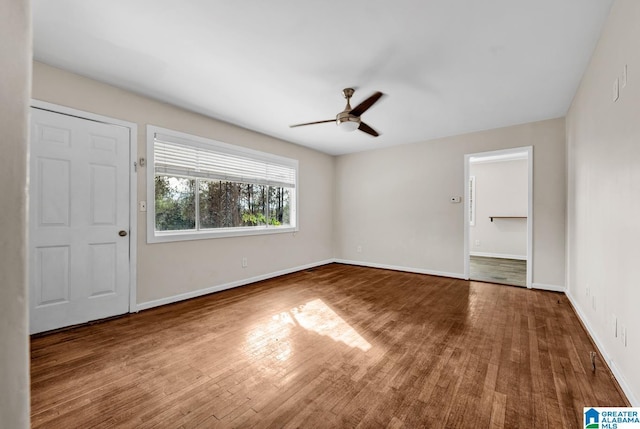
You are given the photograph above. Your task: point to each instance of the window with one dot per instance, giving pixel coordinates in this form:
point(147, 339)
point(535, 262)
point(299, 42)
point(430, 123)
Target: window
point(201, 188)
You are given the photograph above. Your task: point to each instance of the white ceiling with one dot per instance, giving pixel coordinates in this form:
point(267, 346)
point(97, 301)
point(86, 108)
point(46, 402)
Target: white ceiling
point(447, 67)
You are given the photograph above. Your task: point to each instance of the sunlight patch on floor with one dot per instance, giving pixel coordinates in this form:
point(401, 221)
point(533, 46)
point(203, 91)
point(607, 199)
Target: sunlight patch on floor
point(316, 316)
point(274, 338)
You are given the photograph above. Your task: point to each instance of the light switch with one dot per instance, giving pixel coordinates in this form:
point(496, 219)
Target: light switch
point(143, 206)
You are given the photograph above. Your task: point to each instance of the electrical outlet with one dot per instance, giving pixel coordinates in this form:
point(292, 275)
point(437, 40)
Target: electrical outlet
point(593, 302)
point(142, 205)
point(455, 199)
point(587, 292)
point(244, 262)
point(477, 243)
point(624, 76)
point(359, 249)
point(623, 335)
point(614, 326)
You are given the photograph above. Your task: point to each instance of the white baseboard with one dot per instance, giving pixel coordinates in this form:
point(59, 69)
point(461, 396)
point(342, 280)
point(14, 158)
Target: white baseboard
point(400, 268)
point(225, 286)
point(553, 288)
point(218, 288)
point(498, 255)
point(633, 399)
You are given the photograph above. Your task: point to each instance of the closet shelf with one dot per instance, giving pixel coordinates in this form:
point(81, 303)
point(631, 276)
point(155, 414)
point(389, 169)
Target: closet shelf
point(506, 217)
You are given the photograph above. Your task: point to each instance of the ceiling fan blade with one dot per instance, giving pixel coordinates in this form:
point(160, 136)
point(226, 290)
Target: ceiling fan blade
point(362, 107)
point(312, 123)
point(367, 129)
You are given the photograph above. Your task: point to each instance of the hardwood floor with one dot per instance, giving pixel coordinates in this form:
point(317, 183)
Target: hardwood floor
point(498, 270)
point(334, 347)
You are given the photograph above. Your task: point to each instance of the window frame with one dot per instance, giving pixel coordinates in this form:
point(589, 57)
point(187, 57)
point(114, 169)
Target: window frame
point(154, 236)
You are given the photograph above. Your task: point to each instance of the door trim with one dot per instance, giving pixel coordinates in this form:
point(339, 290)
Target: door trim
point(529, 150)
point(133, 183)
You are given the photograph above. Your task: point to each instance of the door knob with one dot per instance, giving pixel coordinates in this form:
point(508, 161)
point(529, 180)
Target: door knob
point(122, 233)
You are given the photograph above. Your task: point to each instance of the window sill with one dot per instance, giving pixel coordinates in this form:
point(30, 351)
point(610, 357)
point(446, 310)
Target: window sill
point(168, 236)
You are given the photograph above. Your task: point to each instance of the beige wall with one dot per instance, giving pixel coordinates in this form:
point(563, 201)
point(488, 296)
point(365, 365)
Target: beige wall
point(604, 194)
point(501, 190)
point(394, 202)
point(15, 76)
point(169, 269)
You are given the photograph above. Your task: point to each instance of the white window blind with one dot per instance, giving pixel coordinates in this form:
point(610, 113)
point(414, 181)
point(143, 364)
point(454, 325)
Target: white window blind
point(188, 202)
point(173, 156)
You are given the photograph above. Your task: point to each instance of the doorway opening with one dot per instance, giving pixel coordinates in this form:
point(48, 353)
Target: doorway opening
point(498, 228)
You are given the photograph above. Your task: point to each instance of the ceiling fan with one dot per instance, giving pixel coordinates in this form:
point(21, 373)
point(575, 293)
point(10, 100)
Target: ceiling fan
point(349, 119)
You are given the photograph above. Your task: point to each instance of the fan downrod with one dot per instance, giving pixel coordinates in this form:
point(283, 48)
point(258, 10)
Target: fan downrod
point(348, 93)
point(345, 115)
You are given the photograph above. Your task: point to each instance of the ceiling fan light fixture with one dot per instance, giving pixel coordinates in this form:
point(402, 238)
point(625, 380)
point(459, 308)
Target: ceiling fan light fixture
point(346, 121)
point(348, 126)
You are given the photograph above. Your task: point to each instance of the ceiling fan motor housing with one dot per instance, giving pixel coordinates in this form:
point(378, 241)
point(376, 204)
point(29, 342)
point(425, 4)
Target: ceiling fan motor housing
point(347, 122)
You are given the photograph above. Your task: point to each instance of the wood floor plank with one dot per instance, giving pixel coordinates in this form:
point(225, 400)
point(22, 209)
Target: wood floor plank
point(498, 411)
point(335, 346)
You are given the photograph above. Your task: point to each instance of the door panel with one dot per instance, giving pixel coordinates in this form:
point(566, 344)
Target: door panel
point(103, 194)
point(79, 196)
point(54, 196)
point(52, 275)
point(102, 263)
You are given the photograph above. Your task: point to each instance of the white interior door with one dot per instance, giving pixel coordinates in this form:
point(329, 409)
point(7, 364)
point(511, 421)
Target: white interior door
point(78, 221)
